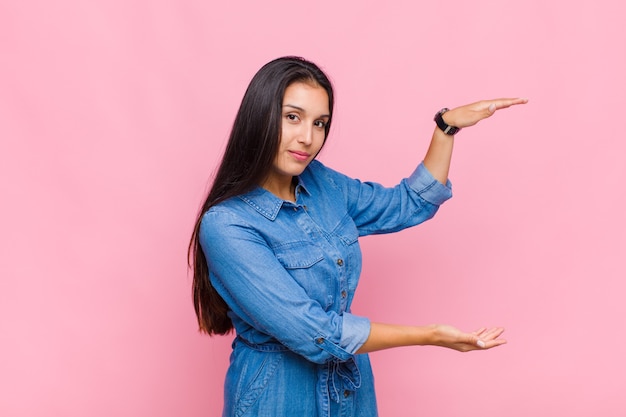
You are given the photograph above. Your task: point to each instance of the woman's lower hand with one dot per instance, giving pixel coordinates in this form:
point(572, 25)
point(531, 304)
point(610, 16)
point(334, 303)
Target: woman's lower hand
point(452, 338)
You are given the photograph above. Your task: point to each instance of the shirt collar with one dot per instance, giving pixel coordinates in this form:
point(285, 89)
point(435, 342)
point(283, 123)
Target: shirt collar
point(302, 186)
point(267, 203)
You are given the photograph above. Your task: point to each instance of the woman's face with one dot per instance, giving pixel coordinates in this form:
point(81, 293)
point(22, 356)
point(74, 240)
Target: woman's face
point(305, 114)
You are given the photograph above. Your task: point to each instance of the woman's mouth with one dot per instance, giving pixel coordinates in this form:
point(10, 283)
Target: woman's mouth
point(300, 156)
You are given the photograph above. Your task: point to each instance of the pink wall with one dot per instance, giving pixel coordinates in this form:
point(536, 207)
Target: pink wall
point(113, 114)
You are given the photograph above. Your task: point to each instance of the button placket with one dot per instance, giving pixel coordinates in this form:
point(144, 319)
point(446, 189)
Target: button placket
point(343, 293)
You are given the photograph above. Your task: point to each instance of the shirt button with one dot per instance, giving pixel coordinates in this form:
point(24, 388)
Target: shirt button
point(319, 340)
point(295, 209)
point(305, 207)
point(344, 294)
point(346, 394)
point(340, 262)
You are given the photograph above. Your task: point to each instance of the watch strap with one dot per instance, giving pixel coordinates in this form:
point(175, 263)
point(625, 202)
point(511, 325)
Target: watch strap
point(445, 128)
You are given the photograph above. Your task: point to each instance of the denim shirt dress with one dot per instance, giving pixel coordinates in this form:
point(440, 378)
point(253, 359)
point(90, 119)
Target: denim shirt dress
point(288, 272)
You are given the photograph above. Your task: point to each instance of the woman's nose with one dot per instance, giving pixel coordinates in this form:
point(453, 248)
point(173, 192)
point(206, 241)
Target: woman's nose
point(306, 135)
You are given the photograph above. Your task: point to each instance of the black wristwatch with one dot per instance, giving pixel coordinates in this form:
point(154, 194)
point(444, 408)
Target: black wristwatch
point(446, 128)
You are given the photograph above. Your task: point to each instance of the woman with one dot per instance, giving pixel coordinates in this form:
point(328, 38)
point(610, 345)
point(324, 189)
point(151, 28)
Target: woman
point(276, 255)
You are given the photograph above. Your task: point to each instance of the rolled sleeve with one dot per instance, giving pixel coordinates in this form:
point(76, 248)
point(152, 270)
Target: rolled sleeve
point(423, 183)
point(355, 331)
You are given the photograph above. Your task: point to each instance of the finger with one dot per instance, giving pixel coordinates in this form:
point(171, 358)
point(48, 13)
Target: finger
point(492, 333)
point(479, 331)
point(494, 343)
point(503, 103)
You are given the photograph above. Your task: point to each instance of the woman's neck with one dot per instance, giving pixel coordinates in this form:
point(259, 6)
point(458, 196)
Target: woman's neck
point(283, 189)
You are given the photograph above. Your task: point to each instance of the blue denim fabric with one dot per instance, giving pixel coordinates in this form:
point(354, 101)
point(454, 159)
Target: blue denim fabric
point(288, 272)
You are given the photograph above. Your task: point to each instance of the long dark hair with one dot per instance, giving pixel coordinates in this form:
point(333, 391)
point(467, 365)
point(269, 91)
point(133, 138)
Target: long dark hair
point(247, 161)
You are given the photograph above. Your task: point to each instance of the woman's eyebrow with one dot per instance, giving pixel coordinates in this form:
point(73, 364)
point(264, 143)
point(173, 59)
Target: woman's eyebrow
point(295, 107)
point(302, 110)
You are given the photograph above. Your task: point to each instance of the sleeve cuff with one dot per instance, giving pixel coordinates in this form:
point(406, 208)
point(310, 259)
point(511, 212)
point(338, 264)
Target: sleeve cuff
point(431, 190)
point(355, 331)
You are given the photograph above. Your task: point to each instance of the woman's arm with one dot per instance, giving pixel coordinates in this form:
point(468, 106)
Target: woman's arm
point(386, 336)
point(439, 153)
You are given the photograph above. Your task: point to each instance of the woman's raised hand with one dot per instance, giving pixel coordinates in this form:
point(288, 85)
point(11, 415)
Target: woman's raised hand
point(470, 114)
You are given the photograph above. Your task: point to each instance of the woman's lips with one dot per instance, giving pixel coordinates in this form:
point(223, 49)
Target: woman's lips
point(300, 156)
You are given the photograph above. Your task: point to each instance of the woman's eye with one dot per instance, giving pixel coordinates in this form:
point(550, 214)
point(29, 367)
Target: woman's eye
point(292, 117)
point(320, 124)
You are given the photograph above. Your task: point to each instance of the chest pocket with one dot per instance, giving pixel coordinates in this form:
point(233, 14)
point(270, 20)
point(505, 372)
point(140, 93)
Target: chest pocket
point(298, 255)
point(304, 262)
